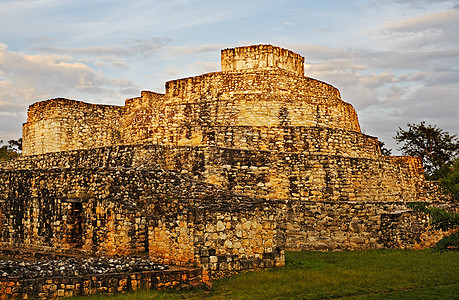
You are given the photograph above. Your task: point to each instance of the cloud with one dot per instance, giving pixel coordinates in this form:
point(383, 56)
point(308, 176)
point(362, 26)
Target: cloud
point(434, 105)
point(361, 59)
point(206, 67)
point(143, 48)
point(191, 60)
point(367, 78)
point(413, 4)
point(28, 78)
point(191, 49)
point(409, 73)
point(425, 31)
point(321, 52)
point(174, 72)
point(107, 60)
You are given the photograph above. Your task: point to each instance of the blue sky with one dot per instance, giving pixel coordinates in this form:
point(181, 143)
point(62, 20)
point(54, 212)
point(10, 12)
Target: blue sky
point(395, 61)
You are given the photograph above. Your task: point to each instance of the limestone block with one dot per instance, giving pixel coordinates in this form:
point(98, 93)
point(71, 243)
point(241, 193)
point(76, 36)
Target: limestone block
point(220, 226)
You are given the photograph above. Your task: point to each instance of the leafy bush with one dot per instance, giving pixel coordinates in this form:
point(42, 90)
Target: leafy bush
point(441, 219)
point(435, 147)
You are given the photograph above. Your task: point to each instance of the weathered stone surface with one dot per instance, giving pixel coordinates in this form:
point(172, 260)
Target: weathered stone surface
point(251, 104)
point(277, 175)
point(55, 287)
point(224, 171)
point(260, 57)
point(76, 266)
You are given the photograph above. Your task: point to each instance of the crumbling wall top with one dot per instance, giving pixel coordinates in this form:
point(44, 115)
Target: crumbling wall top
point(261, 57)
point(56, 107)
point(146, 99)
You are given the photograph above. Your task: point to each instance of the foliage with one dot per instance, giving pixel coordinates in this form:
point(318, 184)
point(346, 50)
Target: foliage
point(374, 274)
point(384, 151)
point(435, 147)
point(448, 177)
point(10, 151)
point(448, 242)
point(441, 219)
point(16, 144)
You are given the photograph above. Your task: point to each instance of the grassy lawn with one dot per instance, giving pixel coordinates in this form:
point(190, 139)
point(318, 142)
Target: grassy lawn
point(375, 274)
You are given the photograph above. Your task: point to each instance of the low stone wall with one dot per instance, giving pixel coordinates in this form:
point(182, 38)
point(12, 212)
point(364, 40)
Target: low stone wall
point(224, 237)
point(60, 287)
point(350, 225)
point(300, 139)
point(263, 82)
point(310, 140)
point(212, 233)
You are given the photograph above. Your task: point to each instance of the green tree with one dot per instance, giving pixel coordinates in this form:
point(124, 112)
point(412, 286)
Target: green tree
point(444, 220)
point(15, 144)
point(384, 150)
point(448, 177)
point(11, 150)
point(439, 153)
point(435, 147)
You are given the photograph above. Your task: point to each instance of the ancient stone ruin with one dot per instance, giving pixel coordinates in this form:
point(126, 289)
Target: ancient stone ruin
point(224, 171)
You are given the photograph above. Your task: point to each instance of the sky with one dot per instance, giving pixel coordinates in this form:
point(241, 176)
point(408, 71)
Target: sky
point(395, 61)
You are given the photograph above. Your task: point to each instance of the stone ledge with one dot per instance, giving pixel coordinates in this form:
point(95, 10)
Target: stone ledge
point(60, 287)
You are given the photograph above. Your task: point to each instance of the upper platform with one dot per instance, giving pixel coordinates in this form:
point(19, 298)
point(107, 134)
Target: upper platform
point(260, 100)
point(261, 57)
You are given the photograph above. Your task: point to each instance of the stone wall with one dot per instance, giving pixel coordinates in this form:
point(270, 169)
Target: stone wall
point(231, 123)
point(261, 57)
point(259, 87)
point(69, 211)
point(269, 174)
point(348, 225)
point(62, 125)
point(118, 209)
point(224, 171)
point(60, 287)
point(224, 238)
point(185, 222)
point(191, 111)
point(284, 175)
point(261, 98)
point(317, 177)
point(225, 235)
point(310, 140)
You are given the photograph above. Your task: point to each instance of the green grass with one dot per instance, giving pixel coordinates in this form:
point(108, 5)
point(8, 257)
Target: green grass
point(375, 274)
